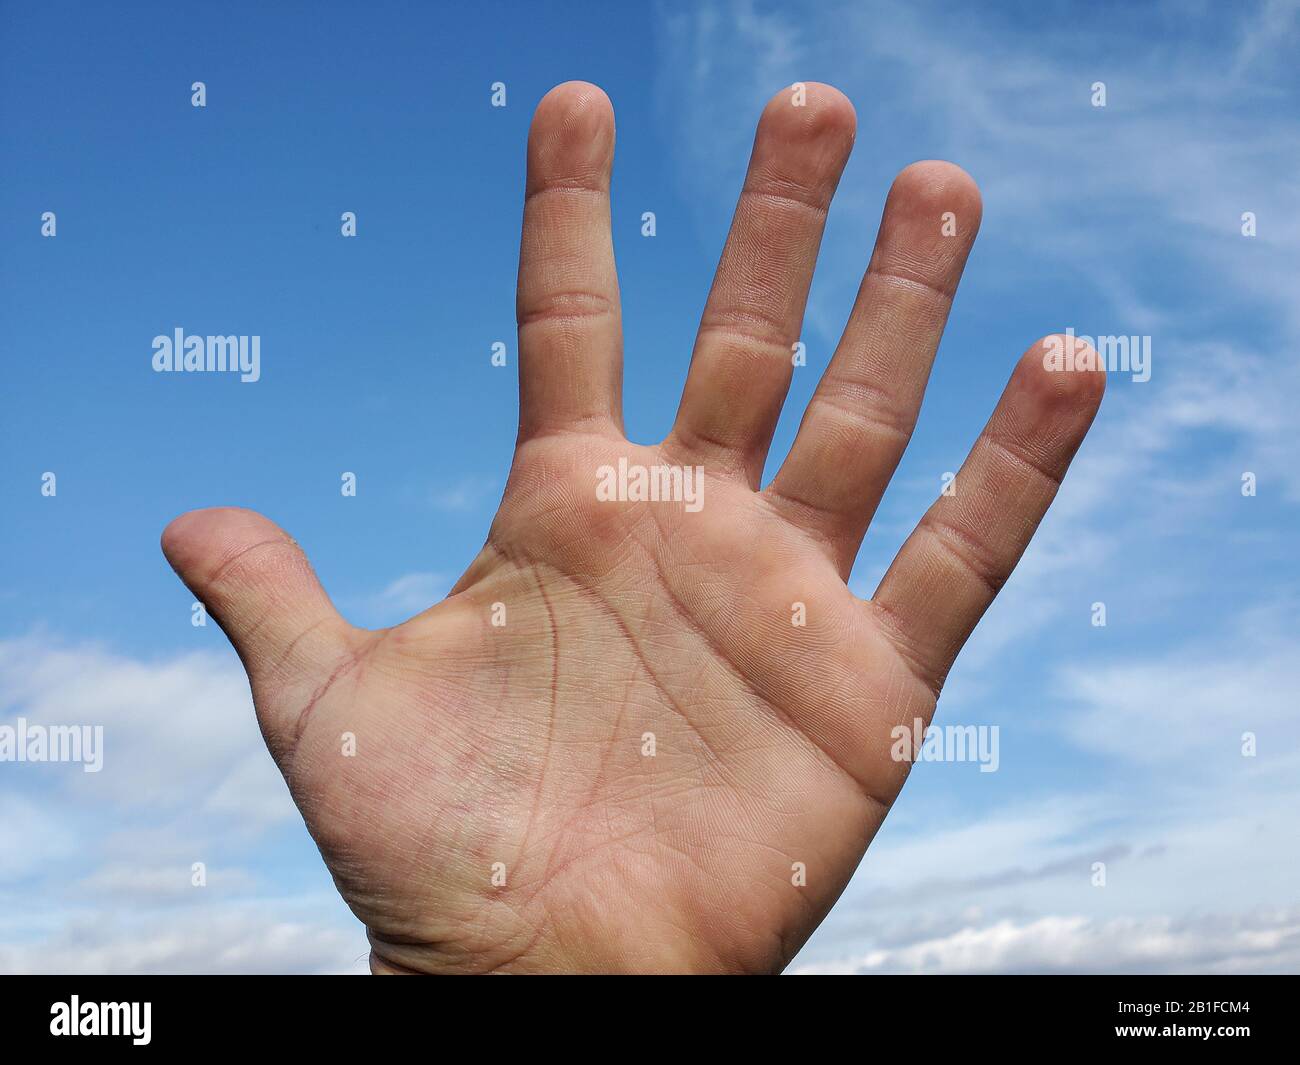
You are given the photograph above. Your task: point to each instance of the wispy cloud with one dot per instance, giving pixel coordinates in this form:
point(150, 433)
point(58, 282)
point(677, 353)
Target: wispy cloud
point(1196, 703)
point(410, 594)
point(468, 494)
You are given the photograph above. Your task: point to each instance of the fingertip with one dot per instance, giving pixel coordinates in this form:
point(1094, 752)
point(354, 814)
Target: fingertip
point(930, 221)
point(809, 112)
point(933, 187)
point(200, 535)
point(573, 99)
point(803, 141)
point(1064, 371)
point(256, 582)
point(182, 532)
point(572, 136)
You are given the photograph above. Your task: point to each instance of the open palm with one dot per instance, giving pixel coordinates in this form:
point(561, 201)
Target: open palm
point(654, 734)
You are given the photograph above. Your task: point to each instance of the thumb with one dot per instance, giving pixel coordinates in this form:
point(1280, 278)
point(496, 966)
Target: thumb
point(255, 580)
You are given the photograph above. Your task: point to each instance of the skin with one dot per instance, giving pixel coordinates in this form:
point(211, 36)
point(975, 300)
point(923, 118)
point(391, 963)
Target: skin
point(523, 746)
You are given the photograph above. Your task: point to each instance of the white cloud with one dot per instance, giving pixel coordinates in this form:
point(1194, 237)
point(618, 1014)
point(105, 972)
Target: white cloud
point(144, 884)
point(31, 836)
point(1266, 941)
point(250, 936)
point(178, 732)
point(252, 792)
point(95, 877)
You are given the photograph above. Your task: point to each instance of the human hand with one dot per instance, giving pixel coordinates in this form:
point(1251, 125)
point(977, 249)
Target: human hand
point(503, 810)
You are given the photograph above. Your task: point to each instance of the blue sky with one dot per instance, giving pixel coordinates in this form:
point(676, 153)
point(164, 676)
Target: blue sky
point(1119, 744)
